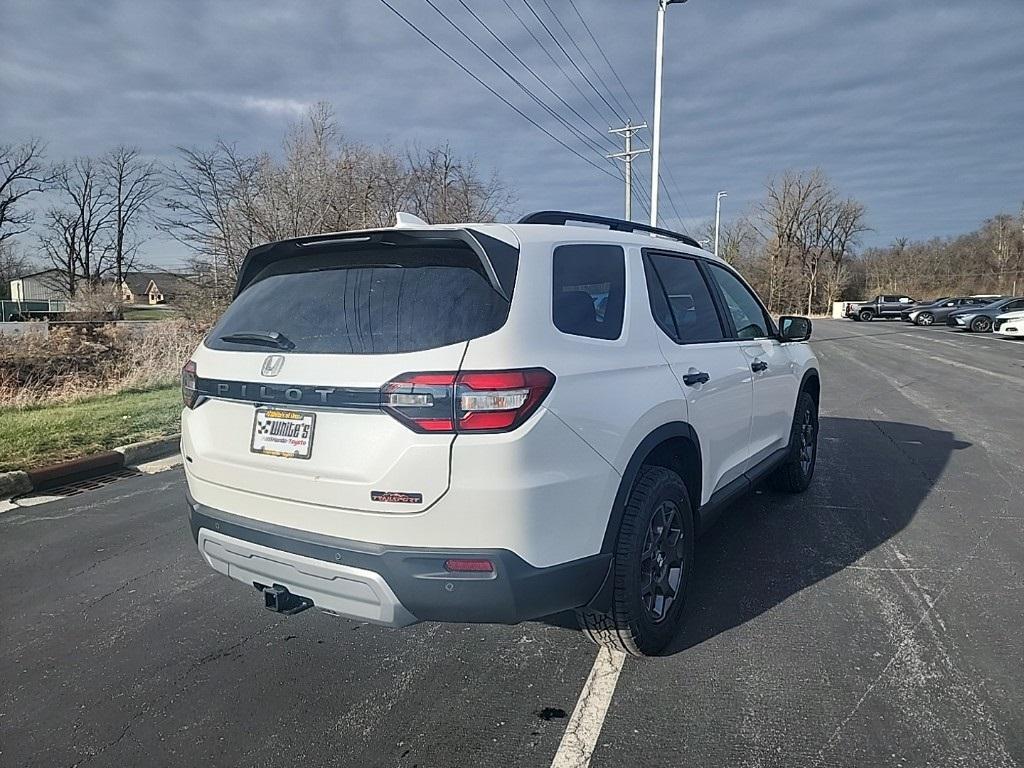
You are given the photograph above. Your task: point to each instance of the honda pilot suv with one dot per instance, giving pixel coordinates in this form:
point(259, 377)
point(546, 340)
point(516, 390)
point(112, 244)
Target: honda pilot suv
point(489, 422)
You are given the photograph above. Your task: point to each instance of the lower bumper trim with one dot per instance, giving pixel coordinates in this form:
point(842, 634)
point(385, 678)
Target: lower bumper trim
point(392, 585)
point(351, 592)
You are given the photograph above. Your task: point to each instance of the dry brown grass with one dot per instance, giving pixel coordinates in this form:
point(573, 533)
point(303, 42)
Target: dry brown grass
point(75, 362)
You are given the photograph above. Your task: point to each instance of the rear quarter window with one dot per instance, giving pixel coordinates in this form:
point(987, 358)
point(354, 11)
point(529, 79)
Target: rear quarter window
point(588, 290)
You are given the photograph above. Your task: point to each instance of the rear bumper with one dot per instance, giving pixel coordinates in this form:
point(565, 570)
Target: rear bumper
point(393, 586)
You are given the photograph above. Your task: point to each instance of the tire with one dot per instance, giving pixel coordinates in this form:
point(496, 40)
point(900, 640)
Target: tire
point(795, 475)
point(636, 623)
point(925, 318)
point(866, 315)
point(981, 324)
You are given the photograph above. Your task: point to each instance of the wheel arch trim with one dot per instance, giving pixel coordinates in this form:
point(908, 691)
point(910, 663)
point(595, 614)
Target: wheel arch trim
point(675, 429)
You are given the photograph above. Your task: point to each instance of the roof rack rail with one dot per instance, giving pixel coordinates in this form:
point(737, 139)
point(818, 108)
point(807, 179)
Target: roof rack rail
point(619, 225)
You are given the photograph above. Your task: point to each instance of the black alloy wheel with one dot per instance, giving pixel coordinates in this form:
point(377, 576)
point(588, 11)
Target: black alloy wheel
point(981, 324)
point(662, 561)
point(794, 476)
point(808, 442)
point(641, 611)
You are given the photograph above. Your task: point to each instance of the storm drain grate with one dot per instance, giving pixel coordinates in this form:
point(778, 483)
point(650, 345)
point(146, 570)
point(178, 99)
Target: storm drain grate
point(76, 487)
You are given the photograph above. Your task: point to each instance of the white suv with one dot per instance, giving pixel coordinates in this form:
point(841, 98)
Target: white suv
point(489, 422)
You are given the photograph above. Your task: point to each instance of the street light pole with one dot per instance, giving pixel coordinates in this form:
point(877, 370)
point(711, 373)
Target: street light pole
point(659, 50)
point(718, 215)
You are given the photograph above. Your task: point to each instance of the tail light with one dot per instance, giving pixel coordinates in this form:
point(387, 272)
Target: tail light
point(471, 401)
point(189, 392)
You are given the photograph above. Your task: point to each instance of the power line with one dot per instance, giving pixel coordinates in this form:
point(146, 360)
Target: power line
point(591, 144)
point(554, 61)
point(494, 93)
point(571, 60)
point(642, 187)
point(572, 40)
point(668, 192)
point(682, 199)
point(672, 203)
point(600, 50)
point(528, 68)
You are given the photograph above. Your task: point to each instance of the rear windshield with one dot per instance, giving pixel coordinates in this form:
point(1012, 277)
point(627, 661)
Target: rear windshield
point(369, 301)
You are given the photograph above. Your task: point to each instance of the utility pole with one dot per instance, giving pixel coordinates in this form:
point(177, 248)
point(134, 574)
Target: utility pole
point(627, 157)
point(659, 50)
point(718, 215)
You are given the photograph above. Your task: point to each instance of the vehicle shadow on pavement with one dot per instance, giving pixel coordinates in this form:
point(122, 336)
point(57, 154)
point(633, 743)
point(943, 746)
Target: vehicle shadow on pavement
point(871, 479)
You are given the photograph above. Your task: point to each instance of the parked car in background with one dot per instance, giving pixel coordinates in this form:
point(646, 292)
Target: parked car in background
point(889, 306)
point(929, 314)
point(905, 313)
point(1009, 324)
point(981, 319)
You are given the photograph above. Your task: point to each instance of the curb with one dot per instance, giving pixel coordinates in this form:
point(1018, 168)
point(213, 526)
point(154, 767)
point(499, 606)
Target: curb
point(148, 450)
point(14, 484)
point(19, 482)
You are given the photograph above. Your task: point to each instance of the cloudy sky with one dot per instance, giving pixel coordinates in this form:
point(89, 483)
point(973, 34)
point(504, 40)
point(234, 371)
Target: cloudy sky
point(915, 107)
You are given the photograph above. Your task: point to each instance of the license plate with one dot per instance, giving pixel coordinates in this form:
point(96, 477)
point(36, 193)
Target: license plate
point(278, 432)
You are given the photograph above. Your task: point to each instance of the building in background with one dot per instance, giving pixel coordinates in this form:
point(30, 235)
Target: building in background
point(152, 288)
point(48, 285)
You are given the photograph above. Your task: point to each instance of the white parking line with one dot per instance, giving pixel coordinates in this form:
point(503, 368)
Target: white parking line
point(584, 726)
point(955, 363)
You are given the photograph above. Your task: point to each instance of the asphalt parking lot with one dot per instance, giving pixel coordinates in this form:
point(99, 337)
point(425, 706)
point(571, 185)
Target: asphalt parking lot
point(875, 620)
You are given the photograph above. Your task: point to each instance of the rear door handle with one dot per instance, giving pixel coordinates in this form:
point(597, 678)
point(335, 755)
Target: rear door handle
point(758, 365)
point(692, 379)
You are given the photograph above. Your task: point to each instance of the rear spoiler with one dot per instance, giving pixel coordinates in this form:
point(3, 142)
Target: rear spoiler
point(498, 259)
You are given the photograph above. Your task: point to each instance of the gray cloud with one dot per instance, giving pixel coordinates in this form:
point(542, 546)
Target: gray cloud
point(913, 106)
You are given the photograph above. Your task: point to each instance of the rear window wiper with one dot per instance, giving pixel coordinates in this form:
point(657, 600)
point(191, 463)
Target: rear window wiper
point(260, 339)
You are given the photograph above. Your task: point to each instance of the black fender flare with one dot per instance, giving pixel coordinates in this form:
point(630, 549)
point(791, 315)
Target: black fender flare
point(602, 599)
point(810, 373)
point(642, 451)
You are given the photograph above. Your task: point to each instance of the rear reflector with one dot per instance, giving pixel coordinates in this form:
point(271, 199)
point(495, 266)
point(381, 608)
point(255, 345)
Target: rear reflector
point(472, 401)
point(468, 566)
point(189, 390)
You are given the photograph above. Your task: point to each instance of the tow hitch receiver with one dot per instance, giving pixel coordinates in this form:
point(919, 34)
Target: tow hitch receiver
point(280, 600)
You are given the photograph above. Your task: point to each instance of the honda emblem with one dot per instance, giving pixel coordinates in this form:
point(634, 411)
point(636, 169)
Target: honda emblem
point(272, 365)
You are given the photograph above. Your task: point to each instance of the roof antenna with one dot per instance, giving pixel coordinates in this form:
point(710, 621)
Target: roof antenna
point(405, 220)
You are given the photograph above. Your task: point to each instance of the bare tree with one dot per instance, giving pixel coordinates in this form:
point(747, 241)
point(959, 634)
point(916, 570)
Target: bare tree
point(221, 202)
point(210, 207)
point(23, 172)
point(13, 264)
point(133, 183)
point(60, 242)
point(87, 197)
point(847, 226)
point(792, 222)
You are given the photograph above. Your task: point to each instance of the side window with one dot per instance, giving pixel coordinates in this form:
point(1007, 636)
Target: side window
point(680, 299)
point(1013, 306)
point(747, 315)
point(589, 290)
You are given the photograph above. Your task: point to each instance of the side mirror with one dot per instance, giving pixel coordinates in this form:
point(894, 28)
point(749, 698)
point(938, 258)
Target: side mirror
point(793, 328)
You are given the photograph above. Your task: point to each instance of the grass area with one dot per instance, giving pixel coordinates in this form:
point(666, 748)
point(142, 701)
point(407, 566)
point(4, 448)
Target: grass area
point(36, 436)
point(148, 313)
